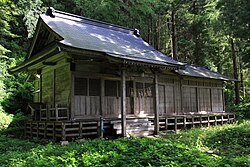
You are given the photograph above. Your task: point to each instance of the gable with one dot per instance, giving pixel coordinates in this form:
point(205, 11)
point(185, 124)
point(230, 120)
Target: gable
point(43, 37)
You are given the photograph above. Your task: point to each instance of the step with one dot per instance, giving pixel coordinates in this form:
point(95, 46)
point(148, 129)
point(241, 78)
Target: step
point(138, 130)
point(132, 125)
point(131, 120)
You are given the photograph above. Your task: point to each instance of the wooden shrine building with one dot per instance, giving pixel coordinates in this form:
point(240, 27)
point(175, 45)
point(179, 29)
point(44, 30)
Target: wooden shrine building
point(93, 78)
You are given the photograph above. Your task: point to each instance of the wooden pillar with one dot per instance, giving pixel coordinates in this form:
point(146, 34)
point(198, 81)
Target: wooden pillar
point(102, 104)
point(40, 88)
point(56, 112)
point(72, 94)
point(156, 104)
point(181, 100)
point(102, 98)
point(198, 99)
point(134, 99)
point(54, 88)
point(211, 98)
point(123, 102)
point(223, 99)
point(80, 129)
point(63, 132)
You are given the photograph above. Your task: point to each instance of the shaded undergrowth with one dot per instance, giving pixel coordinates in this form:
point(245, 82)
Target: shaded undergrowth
point(226, 145)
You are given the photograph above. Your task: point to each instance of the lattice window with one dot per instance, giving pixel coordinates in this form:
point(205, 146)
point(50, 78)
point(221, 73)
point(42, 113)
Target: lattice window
point(112, 88)
point(81, 86)
point(87, 87)
point(94, 87)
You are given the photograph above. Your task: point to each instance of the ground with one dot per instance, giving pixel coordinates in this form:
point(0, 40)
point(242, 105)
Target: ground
point(227, 145)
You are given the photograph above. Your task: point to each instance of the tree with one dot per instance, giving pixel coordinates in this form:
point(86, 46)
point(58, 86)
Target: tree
point(234, 14)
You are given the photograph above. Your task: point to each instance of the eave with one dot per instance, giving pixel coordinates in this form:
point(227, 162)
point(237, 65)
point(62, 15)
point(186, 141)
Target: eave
point(45, 53)
point(122, 59)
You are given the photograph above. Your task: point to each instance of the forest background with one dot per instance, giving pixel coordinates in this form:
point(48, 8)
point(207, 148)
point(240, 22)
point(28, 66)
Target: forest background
point(211, 33)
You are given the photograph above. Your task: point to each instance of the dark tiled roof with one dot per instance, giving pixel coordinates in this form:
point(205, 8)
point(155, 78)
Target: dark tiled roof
point(116, 41)
point(202, 72)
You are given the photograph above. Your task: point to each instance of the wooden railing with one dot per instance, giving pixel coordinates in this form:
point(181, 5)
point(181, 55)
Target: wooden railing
point(54, 113)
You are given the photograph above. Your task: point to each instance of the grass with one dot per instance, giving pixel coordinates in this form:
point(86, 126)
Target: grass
point(226, 145)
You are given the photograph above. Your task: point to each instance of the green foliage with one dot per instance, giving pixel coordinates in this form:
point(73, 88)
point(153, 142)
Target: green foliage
point(226, 145)
point(19, 94)
point(5, 119)
point(16, 127)
point(243, 109)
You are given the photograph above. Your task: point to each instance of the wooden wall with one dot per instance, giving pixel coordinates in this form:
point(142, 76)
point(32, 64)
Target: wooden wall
point(62, 85)
point(189, 95)
point(177, 95)
point(56, 86)
point(47, 92)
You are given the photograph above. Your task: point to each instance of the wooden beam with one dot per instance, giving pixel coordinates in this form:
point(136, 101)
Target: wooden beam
point(123, 102)
point(156, 104)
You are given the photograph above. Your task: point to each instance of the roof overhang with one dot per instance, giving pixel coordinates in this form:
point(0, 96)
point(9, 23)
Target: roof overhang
point(202, 72)
point(39, 57)
point(123, 59)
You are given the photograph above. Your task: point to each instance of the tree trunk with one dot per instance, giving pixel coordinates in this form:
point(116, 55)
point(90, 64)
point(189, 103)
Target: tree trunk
point(158, 29)
point(242, 81)
point(235, 67)
point(174, 40)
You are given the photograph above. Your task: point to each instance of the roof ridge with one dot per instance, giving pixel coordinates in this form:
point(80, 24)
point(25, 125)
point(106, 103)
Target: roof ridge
point(92, 21)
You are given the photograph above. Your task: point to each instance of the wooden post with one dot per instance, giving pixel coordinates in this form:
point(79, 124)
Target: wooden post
point(63, 132)
point(198, 99)
point(101, 127)
point(134, 98)
point(166, 123)
point(181, 100)
point(31, 129)
point(192, 121)
point(208, 120)
point(45, 130)
point(211, 99)
point(185, 122)
point(102, 97)
point(123, 102)
point(80, 129)
point(175, 124)
point(156, 104)
point(223, 99)
point(72, 94)
point(56, 109)
point(40, 88)
point(54, 87)
point(37, 129)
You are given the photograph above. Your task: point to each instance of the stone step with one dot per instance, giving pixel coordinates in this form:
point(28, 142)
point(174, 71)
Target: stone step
point(137, 130)
point(132, 125)
point(131, 120)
